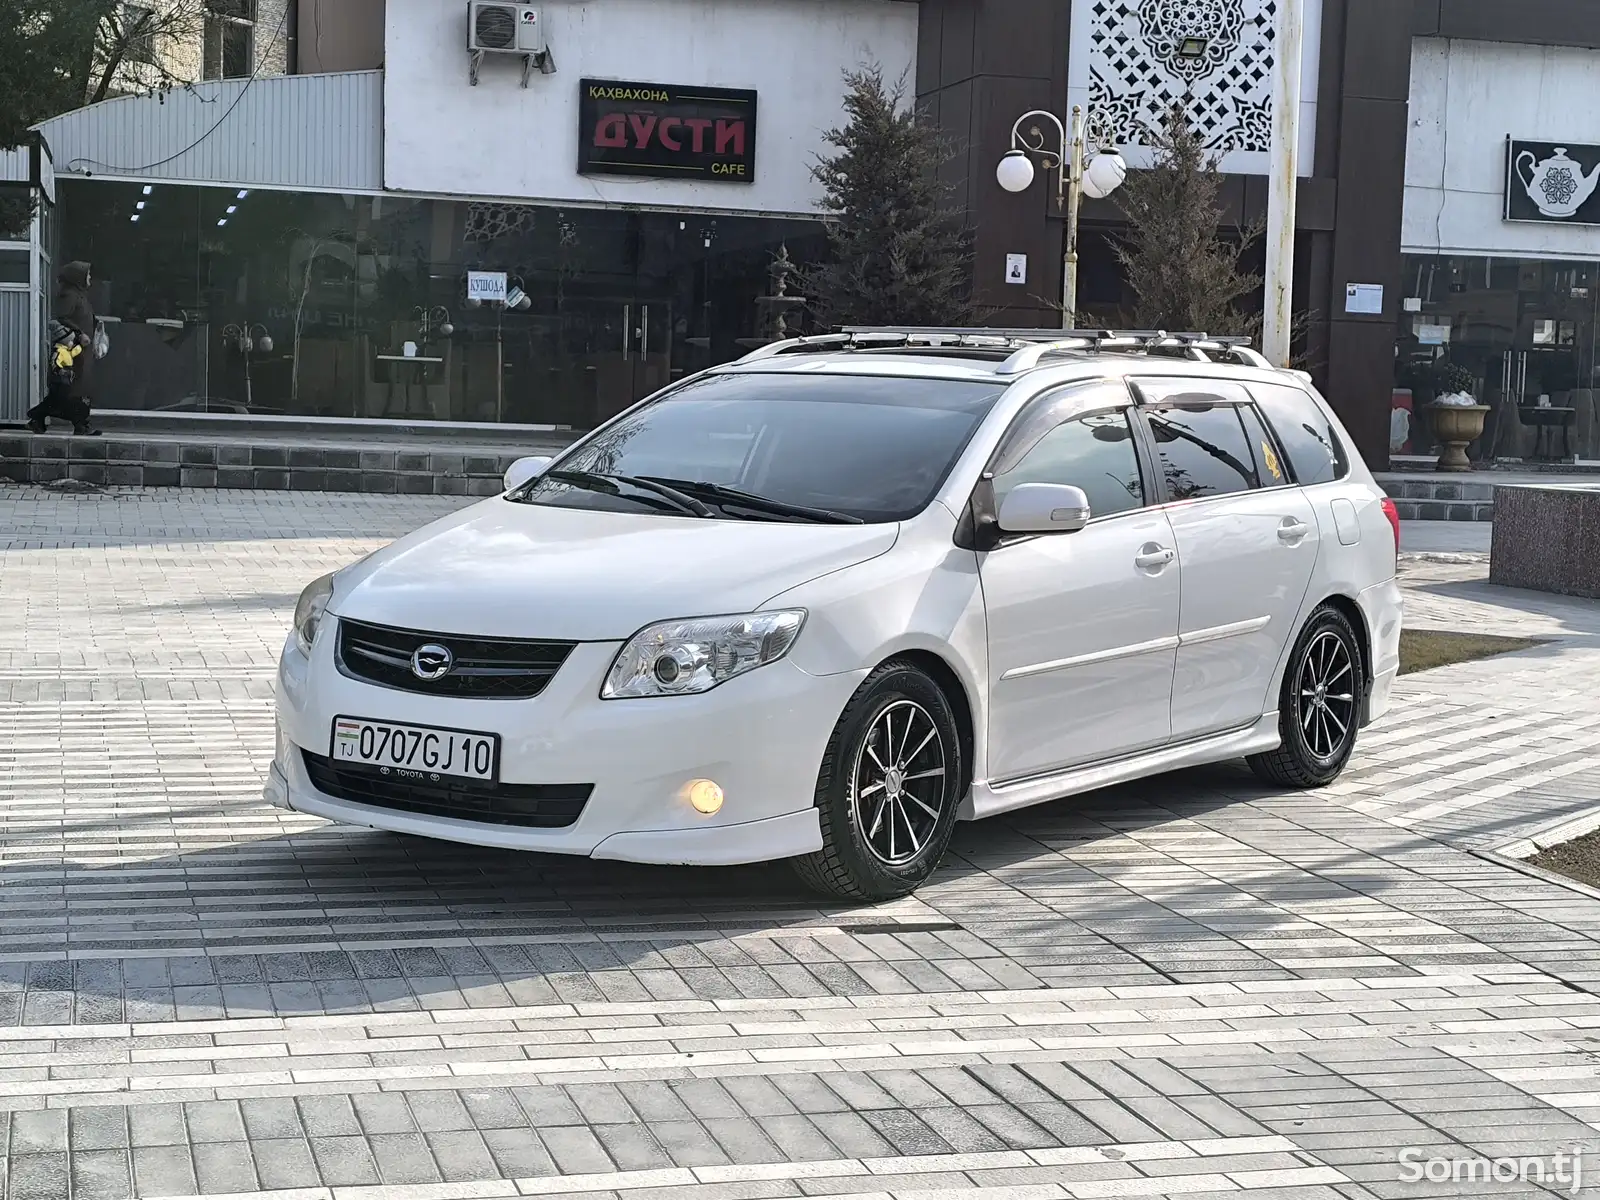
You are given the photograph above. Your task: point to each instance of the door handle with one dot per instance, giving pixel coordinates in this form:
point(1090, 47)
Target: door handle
point(1153, 557)
point(1292, 531)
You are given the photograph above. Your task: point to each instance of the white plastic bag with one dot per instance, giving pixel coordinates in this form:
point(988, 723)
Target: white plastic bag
point(1399, 429)
point(101, 341)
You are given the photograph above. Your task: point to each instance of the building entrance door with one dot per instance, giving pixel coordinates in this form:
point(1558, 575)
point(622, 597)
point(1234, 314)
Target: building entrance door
point(598, 333)
point(646, 363)
point(597, 354)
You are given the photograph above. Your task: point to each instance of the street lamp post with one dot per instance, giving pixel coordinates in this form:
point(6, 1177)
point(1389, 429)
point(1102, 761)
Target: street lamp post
point(431, 321)
point(1077, 175)
point(249, 338)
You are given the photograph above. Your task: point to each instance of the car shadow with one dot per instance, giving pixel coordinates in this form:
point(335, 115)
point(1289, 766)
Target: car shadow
point(1145, 880)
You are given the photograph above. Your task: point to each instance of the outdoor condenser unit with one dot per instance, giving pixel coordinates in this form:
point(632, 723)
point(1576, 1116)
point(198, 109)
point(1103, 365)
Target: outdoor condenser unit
point(501, 27)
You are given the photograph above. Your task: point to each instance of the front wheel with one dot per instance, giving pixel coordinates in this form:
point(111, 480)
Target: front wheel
point(888, 788)
point(1319, 708)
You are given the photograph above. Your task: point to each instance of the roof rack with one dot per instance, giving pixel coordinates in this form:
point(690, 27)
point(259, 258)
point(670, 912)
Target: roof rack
point(1026, 347)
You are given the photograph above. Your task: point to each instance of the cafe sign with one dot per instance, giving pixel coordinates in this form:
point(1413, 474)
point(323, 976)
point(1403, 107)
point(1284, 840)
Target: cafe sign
point(1552, 182)
point(666, 131)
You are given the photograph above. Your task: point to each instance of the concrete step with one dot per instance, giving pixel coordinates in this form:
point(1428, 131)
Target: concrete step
point(1444, 510)
point(449, 465)
point(190, 425)
point(1468, 496)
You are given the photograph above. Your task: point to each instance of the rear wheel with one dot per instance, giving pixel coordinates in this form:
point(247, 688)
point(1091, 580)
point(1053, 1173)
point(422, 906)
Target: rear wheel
point(888, 788)
point(1319, 708)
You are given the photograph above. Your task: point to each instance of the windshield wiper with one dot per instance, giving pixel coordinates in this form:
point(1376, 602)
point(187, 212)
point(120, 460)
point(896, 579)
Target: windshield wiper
point(594, 481)
point(728, 495)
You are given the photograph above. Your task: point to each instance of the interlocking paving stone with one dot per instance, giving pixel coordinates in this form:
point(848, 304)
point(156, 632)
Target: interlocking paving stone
point(1146, 991)
point(38, 1176)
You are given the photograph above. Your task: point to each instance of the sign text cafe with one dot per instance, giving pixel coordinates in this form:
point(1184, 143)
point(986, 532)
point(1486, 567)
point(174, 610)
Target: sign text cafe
point(666, 131)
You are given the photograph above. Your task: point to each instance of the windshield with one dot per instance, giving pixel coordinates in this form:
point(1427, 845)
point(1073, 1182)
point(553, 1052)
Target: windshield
point(787, 447)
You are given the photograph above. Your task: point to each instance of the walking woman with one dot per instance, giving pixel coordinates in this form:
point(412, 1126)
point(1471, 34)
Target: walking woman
point(68, 396)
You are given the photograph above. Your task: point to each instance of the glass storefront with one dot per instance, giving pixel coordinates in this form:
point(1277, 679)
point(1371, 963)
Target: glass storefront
point(354, 306)
point(1527, 330)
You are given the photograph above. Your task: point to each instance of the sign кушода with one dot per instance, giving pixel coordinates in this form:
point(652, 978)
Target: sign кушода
point(666, 131)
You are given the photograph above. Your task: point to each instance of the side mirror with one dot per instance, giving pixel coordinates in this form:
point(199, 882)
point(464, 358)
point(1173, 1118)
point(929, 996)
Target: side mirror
point(1044, 508)
point(525, 469)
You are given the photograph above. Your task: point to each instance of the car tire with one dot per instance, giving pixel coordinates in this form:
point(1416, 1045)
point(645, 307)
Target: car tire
point(1319, 706)
point(891, 780)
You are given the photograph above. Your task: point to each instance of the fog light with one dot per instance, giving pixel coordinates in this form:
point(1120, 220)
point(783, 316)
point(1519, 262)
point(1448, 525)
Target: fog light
point(704, 795)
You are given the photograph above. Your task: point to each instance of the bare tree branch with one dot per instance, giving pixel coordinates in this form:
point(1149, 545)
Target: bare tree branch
point(146, 45)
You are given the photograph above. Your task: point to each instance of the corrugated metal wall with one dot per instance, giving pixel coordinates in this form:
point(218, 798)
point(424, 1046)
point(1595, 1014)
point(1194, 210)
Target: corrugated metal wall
point(16, 367)
point(16, 165)
point(289, 131)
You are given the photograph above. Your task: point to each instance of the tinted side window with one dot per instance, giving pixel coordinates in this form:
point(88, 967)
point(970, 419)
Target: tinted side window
point(1271, 470)
point(1093, 452)
point(1202, 449)
point(1316, 454)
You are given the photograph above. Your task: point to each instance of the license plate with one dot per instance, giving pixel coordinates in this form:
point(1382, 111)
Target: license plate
point(418, 752)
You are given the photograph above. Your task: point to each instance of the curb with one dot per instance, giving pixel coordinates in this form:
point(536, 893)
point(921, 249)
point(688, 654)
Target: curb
point(1453, 557)
point(1553, 833)
point(1513, 854)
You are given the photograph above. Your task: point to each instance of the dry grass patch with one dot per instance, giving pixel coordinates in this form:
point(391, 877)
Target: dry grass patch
point(1424, 649)
point(1578, 859)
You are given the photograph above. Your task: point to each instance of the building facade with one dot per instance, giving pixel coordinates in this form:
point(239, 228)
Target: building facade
point(644, 188)
point(1501, 234)
point(301, 244)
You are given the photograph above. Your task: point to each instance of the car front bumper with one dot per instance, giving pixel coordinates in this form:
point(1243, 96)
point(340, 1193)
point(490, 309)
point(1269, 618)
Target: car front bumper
point(761, 737)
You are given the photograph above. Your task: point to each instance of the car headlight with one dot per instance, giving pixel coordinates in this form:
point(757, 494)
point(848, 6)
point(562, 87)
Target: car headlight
point(679, 658)
point(309, 610)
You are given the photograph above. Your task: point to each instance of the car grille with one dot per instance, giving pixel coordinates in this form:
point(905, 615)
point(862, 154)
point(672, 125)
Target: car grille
point(484, 668)
point(529, 805)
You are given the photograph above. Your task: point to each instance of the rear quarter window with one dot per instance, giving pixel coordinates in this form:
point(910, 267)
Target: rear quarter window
point(1270, 467)
point(1312, 445)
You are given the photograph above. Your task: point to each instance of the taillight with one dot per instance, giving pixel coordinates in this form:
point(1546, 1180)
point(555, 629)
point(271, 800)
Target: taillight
point(1393, 513)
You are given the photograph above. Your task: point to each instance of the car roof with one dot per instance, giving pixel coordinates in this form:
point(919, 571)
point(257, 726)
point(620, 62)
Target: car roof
point(1007, 356)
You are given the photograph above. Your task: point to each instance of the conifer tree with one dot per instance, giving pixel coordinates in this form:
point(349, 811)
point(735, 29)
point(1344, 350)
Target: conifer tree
point(1183, 272)
point(899, 254)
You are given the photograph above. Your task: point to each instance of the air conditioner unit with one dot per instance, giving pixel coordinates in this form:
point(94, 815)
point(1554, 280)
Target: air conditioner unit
point(497, 27)
point(502, 27)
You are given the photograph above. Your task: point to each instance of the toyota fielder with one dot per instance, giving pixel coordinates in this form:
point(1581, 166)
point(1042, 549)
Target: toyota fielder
point(821, 603)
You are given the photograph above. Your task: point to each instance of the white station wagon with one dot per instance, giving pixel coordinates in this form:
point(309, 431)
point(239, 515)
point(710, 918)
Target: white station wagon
point(821, 603)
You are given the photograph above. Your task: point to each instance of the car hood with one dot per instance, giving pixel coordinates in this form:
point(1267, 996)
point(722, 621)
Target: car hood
point(504, 569)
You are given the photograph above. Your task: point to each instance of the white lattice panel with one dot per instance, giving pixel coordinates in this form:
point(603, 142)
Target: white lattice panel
point(1128, 71)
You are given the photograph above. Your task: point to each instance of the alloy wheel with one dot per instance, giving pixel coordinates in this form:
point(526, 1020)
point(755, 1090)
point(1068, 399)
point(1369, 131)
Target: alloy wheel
point(1327, 694)
point(897, 784)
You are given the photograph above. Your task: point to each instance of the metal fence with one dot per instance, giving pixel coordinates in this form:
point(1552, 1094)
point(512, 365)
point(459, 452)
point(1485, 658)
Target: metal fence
point(16, 357)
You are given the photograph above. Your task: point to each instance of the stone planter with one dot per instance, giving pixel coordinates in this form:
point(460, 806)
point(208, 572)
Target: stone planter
point(1547, 539)
point(1456, 427)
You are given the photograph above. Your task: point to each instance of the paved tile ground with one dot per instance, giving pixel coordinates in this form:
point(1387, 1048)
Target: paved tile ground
point(1193, 986)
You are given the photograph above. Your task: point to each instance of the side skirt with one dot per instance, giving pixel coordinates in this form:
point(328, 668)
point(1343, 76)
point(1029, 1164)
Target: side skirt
point(988, 798)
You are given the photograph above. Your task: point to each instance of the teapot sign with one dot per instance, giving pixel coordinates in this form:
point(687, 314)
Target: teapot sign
point(1552, 182)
